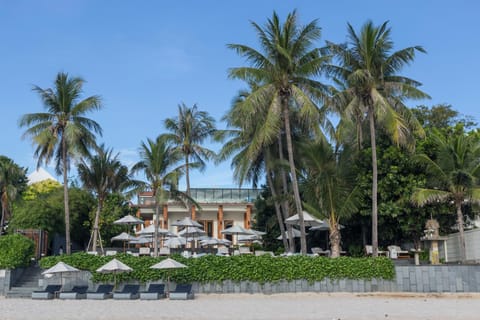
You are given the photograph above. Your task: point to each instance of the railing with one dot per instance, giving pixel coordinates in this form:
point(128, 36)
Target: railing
point(214, 195)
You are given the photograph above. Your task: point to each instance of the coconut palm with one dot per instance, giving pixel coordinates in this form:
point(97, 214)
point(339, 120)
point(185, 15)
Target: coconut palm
point(12, 181)
point(454, 173)
point(285, 68)
point(245, 169)
point(329, 186)
point(158, 160)
point(187, 133)
point(102, 173)
point(372, 91)
point(63, 132)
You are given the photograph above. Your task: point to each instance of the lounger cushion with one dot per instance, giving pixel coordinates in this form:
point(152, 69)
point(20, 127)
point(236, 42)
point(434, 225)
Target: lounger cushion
point(130, 291)
point(182, 292)
point(155, 291)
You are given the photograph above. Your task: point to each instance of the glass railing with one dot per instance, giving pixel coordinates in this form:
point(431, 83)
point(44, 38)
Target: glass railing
point(214, 195)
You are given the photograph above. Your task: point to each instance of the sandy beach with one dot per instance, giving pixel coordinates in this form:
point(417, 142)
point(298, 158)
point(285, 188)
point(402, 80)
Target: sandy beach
point(247, 306)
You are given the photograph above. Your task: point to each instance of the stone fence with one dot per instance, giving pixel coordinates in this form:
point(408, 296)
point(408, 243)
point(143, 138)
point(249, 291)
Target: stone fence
point(429, 278)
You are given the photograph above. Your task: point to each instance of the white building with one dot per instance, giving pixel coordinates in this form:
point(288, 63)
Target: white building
point(220, 209)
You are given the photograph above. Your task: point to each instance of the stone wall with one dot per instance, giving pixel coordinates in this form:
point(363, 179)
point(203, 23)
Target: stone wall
point(9, 277)
point(429, 278)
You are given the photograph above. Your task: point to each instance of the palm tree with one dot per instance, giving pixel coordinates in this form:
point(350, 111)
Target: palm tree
point(285, 70)
point(12, 181)
point(329, 186)
point(63, 132)
point(373, 91)
point(245, 168)
point(454, 172)
point(157, 163)
point(102, 173)
point(187, 132)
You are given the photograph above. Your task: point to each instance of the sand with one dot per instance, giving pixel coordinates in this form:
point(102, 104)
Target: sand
point(248, 306)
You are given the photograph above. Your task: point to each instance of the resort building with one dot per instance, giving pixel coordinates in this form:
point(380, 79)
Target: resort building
point(219, 209)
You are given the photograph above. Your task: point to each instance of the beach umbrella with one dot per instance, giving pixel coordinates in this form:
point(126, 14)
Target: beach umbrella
point(150, 230)
point(307, 218)
point(60, 268)
point(325, 227)
point(186, 222)
point(141, 240)
point(125, 237)
point(168, 264)
point(114, 266)
point(192, 232)
point(175, 242)
point(237, 230)
point(214, 242)
point(128, 220)
point(296, 234)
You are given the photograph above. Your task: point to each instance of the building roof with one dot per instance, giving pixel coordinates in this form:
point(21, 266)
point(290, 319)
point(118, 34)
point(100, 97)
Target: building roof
point(40, 175)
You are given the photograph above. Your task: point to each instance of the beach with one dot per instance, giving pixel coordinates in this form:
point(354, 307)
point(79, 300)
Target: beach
point(302, 306)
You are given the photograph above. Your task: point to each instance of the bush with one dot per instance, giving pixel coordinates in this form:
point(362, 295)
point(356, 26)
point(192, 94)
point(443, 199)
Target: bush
point(15, 251)
point(259, 269)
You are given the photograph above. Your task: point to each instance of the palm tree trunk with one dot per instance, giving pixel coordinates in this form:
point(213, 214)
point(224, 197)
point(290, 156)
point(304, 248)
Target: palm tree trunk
point(68, 243)
point(187, 178)
point(296, 193)
point(277, 209)
point(285, 206)
point(335, 238)
point(96, 223)
point(4, 212)
point(155, 222)
point(461, 231)
point(374, 184)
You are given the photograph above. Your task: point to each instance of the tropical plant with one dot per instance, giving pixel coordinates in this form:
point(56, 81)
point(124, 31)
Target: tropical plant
point(284, 69)
point(63, 132)
point(12, 182)
point(158, 160)
point(187, 133)
point(102, 173)
point(329, 186)
point(371, 90)
point(454, 174)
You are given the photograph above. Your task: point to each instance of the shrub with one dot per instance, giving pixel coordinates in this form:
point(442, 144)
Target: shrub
point(15, 251)
point(259, 269)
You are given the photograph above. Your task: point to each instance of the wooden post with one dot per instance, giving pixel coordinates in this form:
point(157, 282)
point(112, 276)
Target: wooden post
point(247, 217)
point(194, 212)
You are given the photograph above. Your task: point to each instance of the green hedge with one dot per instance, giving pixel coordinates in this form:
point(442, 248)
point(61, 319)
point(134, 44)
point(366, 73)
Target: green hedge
point(212, 268)
point(15, 251)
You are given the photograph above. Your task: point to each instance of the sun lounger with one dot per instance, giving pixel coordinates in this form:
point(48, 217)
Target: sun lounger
point(164, 251)
point(155, 291)
point(129, 292)
point(47, 293)
point(182, 292)
point(396, 252)
point(104, 291)
point(77, 292)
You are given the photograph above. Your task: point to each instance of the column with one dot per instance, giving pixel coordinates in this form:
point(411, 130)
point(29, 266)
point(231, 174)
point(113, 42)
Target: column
point(165, 216)
point(193, 211)
point(247, 217)
point(220, 222)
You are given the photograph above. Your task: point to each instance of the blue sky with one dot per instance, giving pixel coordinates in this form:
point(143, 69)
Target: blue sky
point(146, 57)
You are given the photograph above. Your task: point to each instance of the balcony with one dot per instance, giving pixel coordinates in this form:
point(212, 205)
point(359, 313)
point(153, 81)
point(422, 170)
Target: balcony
point(213, 195)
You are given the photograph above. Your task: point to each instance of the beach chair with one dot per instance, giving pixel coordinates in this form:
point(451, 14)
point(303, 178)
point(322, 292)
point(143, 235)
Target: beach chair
point(144, 251)
point(77, 292)
point(244, 250)
point(395, 252)
point(155, 291)
point(129, 292)
point(164, 251)
point(320, 252)
point(104, 291)
point(182, 292)
point(369, 251)
point(47, 293)
point(223, 251)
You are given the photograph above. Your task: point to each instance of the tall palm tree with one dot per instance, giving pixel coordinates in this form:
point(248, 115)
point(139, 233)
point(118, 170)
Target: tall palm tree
point(329, 186)
point(285, 67)
point(158, 160)
point(454, 173)
point(102, 173)
point(373, 91)
point(12, 178)
point(188, 130)
point(63, 132)
point(237, 142)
